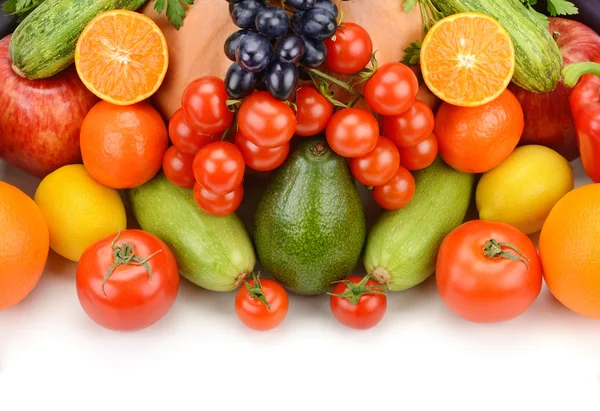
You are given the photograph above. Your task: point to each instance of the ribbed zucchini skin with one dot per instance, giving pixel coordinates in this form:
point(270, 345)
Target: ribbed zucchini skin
point(44, 43)
point(538, 59)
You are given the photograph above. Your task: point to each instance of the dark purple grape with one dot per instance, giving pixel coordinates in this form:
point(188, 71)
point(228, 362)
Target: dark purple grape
point(254, 52)
point(303, 73)
point(319, 24)
point(235, 1)
point(281, 79)
point(290, 49)
point(327, 5)
point(239, 83)
point(315, 53)
point(296, 22)
point(244, 13)
point(272, 22)
point(232, 42)
point(300, 4)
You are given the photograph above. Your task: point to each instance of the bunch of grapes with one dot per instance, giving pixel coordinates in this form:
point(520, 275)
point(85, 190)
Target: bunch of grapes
point(272, 41)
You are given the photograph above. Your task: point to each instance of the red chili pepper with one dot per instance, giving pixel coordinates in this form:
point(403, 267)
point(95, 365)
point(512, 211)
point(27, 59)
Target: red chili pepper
point(585, 107)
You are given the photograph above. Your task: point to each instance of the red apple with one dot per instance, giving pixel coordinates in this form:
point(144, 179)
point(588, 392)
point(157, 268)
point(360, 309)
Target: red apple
point(548, 119)
point(40, 120)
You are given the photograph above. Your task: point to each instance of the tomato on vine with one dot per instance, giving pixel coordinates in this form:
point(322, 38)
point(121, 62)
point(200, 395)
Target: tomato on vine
point(352, 132)
point(411, 127)
point(358, 303)
point(218, 204)
point(260, 158)
point(378, 166)
point(266, 121)
point(178, 167)
point(261, 304)
point(349, 50)
point(219, 167)
point(420, 156)
point(184, 137)
point(313, 111)
point(392, 89)
point(204, 104)
point(397, 192)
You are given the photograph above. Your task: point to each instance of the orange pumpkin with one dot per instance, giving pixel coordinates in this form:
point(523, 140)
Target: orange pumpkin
point(196, 49)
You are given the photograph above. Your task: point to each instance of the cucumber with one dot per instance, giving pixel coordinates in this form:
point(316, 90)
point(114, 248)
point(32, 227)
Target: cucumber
point(215, 253)
point(402, 246)
point(538, 60)
point(44, 43)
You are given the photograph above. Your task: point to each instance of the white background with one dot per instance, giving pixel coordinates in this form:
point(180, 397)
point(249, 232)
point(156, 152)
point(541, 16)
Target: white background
point(200, 357)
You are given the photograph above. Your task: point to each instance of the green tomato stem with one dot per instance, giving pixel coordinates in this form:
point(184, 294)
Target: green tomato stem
point(493, 250)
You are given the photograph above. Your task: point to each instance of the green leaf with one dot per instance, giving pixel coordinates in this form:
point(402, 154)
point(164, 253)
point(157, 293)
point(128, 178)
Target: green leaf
point(412, 53)
point(561, 8)
point(409, 5)
point(175, 10)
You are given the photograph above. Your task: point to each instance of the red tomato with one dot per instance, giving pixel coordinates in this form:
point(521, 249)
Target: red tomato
point(266, 121)
point(352, 132)
point(218, 204)
point(261, 304)
point(421, 155)
point(350, 50)
point(411, 127)
point(392, 89)
point(488, 272)
point(397, 192)
point(313, 111)
point(219, 167)
point(184, 136)
point(378, 166)
point(204, 103)
point(260, 158)
point(133, 296)
point(358, 303)
point(178, 167)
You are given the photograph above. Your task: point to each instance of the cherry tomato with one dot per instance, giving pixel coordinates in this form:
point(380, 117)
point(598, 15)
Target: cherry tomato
point(314, 111)
point(218, 204)
point(350, 50)
point(133, 295)
point(219, 167)
point(352, 132)
point(392, 89)
point(261, 304)
point(178, 167)
point(358, 302)
point(266, 121)
point(488, 271)
point(204, 103)
point(378, 166)
point(411, 127)
point(421, 155)
point(397, 192)
point(184, 136)
point(260, 158)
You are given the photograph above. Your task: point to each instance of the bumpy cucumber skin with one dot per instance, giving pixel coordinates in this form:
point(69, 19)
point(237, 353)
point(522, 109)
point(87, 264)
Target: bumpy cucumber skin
point(405, 242)
point(310, 223)
point(44, 43)
point(538, 58)
point(211, 252)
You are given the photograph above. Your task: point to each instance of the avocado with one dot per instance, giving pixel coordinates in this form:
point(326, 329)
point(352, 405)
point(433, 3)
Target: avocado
point(309, 227)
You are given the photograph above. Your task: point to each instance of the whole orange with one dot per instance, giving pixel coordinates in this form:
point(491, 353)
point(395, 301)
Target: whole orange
point(570, 250)
point(123, 146)
point(24, 245)
point(477, 139)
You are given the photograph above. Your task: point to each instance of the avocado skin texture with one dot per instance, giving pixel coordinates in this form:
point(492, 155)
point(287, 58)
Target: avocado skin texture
point(309, 228)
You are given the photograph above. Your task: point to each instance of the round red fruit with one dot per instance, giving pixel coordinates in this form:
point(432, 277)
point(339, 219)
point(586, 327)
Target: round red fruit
point(218, 204)
point(313, 112)
point(358, 302)
point(261, 304)
point(178, 167)
point(219, 167)
point(266, 121)
point(397, 192)
point(421, 155)
point(411, 127)
point(184, 137)
point(350, 50)
point(352, 132)
point(260, 158)
point(204, 104)
point(378, 166)
point(392, 89)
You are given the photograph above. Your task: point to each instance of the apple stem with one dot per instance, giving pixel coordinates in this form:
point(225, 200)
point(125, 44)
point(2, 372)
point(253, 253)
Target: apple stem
point(573, 72)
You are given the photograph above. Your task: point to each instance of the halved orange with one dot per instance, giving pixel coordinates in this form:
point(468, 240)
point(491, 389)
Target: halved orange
point(122, 57)
point(467, 59)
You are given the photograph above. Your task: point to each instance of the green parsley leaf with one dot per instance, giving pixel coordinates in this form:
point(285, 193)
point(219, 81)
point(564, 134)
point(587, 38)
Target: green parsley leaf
point(175, 10)
point(561, 8)
point(409, 5)
point(412, 53)
point(20, 8)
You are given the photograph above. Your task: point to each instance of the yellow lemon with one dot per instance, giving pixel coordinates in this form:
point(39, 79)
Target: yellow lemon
point(524, 188)
point(79, 210)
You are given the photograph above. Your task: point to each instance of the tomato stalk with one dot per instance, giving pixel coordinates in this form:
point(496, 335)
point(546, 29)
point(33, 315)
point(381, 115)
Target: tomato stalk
point(356, 291)
point(125, 255)
point(493, 249)
point(323, 82)
point(256, 291)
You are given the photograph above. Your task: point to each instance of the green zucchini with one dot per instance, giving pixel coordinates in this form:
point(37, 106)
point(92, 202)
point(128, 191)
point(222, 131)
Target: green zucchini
point(402, 246)
point(44, 43)
point(538, 58)
point(215, 253)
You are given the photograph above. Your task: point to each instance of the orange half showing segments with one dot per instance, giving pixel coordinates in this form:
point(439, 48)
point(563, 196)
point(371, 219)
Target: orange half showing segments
point(467, 59)
point(122, 57)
